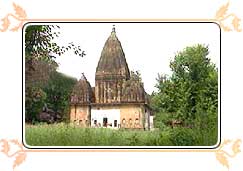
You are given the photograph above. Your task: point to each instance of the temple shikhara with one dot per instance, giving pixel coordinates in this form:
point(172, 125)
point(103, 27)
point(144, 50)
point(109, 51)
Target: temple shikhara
point(118, 99)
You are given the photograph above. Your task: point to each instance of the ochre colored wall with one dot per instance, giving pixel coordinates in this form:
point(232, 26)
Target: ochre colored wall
point(82, 115)
point(72, 114)
point(130, 113)
point(133, 115)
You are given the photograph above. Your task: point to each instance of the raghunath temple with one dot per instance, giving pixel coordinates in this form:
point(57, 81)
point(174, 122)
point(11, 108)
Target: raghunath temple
point(117, 100)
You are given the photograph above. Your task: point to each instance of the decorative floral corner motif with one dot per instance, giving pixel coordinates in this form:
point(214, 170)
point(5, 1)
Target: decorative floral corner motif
point(18, 155)
point(19, 15)
point(222, 16)
point(223, 156)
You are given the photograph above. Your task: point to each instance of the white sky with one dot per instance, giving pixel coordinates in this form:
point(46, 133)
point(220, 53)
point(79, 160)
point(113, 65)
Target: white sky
point(148, 47)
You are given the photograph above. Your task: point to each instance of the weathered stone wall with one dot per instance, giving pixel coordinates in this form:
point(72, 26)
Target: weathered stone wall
point(108, 91)
point(131, 116)
point(80, 115)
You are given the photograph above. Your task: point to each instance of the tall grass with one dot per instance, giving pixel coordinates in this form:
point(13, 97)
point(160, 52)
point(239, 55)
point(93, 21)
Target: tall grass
point(69, 135)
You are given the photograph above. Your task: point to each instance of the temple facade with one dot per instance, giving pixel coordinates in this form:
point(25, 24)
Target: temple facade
point(118, 99)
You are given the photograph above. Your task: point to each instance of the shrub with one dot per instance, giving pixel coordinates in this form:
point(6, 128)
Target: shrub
point(183, 136)
point(34, 101)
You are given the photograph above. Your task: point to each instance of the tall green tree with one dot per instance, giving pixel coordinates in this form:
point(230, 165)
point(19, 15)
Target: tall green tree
point(41, 50)
point(190, 95)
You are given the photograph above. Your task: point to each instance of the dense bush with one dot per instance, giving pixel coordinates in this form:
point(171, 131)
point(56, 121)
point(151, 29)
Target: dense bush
point(34, 101)
point(58, 91)
point(55, 95)
point(180, 136)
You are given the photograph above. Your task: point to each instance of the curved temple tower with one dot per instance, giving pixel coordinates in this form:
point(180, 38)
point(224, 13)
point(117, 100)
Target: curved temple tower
point(118, 100)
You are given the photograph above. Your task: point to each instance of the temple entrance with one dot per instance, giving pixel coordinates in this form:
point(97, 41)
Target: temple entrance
point(105, 121)
point(107, 118)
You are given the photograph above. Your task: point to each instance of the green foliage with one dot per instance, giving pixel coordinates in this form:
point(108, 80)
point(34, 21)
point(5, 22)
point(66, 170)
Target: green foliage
point(190, 95)
point(40, 70)
point(183, 137)
point(41, 51)
point(162, 120)
point(58, 90)
point(40, 43)
point(70, 135)
point(55, 94)
point(34, 101)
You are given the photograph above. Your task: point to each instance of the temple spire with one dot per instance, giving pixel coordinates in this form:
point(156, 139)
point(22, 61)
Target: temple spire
point(113, 30)
point(83, 77)
point(112, 60)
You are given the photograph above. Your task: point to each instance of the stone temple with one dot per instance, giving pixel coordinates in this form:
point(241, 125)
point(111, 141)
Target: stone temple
point(118, 99)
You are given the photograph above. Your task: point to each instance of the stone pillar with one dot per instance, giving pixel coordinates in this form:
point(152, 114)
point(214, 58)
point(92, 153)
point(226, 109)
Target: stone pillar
point(102, 91)
point(109, 92)
point(115, 92)
point(118, 92)
point(105, 92)
point(85, 97)
point(96, 92)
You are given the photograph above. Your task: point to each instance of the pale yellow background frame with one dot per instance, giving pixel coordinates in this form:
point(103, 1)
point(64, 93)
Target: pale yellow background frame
point(220, 17)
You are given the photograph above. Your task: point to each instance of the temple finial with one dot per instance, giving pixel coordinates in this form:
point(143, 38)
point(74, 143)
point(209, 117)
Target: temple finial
point(83, 77)
point(113, 29)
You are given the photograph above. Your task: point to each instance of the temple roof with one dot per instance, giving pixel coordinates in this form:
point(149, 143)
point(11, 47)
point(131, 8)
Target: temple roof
point(112, 60)
point(133, 91)
point(82, 91)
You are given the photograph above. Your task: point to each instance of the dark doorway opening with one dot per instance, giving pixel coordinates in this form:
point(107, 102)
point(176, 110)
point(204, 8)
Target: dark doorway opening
point(115, 123)
point(105, 121)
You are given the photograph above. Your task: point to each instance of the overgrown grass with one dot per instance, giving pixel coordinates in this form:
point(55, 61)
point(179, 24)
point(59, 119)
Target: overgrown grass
point(69, 135)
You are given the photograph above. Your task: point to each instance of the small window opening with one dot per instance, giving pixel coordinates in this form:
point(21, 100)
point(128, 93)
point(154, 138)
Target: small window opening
point(115, 123)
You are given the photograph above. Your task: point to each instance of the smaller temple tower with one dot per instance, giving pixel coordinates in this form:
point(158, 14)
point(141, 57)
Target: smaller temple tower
point(81, 99)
